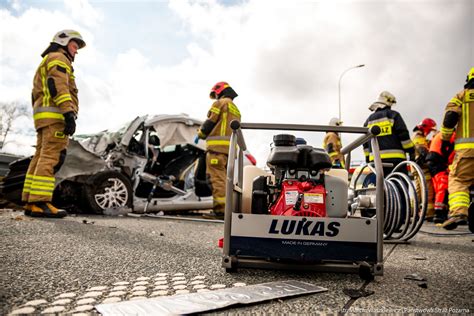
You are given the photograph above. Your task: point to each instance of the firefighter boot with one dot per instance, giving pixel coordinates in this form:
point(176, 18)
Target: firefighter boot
point(27, 209)
point(454, 221)
point(441, 215)
point(46, 209)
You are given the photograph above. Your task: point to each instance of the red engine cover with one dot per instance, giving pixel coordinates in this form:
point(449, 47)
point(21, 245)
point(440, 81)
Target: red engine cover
point(313, 199)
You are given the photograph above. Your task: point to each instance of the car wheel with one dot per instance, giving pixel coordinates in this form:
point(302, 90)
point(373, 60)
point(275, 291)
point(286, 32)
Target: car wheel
point(109, 189)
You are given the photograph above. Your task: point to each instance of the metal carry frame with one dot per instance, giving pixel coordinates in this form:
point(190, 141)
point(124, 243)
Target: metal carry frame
point(233, 206)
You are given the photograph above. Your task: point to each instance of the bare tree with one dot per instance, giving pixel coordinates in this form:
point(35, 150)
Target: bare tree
point(9, 112)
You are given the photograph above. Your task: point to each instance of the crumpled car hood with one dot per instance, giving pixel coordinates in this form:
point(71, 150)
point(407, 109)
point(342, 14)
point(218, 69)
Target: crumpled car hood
point(79, 161)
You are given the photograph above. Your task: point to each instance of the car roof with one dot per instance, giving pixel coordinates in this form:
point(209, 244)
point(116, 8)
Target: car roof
point(169, 118)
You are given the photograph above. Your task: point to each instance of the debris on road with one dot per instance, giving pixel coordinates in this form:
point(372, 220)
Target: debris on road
point(414, 277)
point(117, 211)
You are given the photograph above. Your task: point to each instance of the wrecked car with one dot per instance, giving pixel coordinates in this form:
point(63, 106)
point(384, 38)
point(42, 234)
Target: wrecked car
point(150, 164)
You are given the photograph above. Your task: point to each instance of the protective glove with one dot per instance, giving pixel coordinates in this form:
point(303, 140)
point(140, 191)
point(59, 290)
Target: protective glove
point(196, 139)
point(337, 164)
point(70, 121)
point(420, 160)
point(446, 148)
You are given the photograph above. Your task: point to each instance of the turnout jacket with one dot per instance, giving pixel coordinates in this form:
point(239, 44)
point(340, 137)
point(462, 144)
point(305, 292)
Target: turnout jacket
point(332, 145)
point(422, 146)
point(463, 123)
point(394, 138)
point(54, 90)
point(216, 128)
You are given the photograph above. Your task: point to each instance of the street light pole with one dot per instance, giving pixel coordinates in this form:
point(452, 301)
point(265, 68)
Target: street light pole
point(339, 86)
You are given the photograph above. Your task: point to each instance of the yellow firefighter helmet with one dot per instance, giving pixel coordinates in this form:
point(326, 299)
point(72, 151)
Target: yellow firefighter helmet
point(470, 75)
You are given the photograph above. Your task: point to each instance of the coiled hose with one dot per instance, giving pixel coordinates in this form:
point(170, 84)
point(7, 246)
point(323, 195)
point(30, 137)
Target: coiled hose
point(404, 210)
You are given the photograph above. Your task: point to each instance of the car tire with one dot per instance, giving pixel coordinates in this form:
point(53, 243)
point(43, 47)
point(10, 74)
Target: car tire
point(108, 189)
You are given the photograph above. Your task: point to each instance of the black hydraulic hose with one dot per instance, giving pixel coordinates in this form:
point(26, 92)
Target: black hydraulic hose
point(403, 215)
point(404, 210)
point(460, 234)
point(419, 215)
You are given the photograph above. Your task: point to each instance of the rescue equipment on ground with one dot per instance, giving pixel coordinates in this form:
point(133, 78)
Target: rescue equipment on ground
point(300, 186)
point(295, 216)
point(404, 210)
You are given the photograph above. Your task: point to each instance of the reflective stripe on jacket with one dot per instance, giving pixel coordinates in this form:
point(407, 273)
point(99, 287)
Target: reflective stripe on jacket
point(54, 90)
point(221, 114)
point(463, 104)
point(394, 138)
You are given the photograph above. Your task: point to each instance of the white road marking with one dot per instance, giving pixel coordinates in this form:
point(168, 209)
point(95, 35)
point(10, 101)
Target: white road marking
point(23, 311)
point(36, 302)
point(62, 301)
point(66, 295)
point(86, 301)
point(54, 309)
point(160, 284)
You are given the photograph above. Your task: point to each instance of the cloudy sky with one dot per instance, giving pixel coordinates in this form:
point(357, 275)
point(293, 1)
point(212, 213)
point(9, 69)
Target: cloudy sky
point(284, 58)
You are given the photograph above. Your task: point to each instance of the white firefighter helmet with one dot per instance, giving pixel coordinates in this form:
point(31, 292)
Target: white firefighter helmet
point(335, 122)
point(63, 37)
point(385, 99)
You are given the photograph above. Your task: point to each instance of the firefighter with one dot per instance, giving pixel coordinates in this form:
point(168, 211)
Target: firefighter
point(438, 161)
point(332, 145)
point(394, 138)
point(216, 131)
point(55, 107)
point(459, 117)
point(421, 132)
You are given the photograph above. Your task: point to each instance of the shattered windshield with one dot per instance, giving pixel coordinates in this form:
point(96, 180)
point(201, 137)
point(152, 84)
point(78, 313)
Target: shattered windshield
point(117, 130)
point(100, 143)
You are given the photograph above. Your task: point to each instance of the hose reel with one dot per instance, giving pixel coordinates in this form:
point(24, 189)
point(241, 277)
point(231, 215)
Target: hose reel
point(404, 210)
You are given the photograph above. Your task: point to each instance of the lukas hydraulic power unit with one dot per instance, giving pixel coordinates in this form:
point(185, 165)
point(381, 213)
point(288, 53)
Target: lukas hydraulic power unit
point(300, 188)
point(297, 216)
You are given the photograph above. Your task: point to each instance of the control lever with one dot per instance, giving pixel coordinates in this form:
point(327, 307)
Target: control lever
point(297, 205)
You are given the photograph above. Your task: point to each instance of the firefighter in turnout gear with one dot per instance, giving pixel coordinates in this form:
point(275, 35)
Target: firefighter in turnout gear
point(421, 132)
point(394, 138)
point(55, 107)
point(438, 161)
point(216, 131)
point(332, 145)
point(459, 117)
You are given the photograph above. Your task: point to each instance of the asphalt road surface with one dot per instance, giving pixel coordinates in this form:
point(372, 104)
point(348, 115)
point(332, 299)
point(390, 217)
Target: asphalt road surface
point(69, 265)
